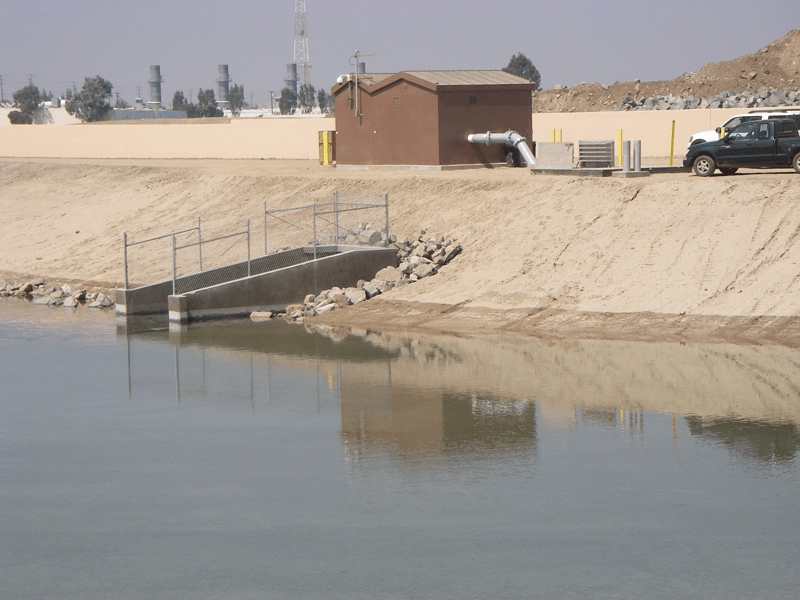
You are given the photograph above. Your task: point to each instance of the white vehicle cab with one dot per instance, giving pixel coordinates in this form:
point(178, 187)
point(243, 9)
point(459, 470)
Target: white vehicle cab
point(755, 115)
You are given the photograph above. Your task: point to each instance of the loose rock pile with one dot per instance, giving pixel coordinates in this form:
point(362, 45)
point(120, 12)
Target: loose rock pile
point(420, 256)
point(763, 98)
point(60, 294)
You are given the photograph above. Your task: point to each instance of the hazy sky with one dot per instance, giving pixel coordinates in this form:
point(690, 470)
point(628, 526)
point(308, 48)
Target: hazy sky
point(62, 41)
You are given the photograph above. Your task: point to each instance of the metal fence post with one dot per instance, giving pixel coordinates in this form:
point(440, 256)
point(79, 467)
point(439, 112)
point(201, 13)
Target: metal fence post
point(200, 243)
point(248, 247)
point(315, 230)
point(125, 256)
point(265, 227)
point(386, 199)
point(174, 262)
point(336, 216)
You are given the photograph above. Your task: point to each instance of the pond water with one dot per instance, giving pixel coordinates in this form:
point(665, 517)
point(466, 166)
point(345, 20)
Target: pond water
point(258, 460)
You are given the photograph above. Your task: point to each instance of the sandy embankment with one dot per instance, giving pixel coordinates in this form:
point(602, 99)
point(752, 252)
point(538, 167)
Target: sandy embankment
point(541, 254)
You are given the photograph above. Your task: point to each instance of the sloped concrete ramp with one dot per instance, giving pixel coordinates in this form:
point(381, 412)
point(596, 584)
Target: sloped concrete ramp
point(268, 289)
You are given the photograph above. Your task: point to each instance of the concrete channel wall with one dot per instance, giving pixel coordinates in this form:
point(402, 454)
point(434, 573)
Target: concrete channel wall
point(274, 290)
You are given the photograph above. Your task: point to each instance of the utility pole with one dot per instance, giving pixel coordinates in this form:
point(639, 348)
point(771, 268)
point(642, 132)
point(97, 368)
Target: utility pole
point(251, 99)
point(190, 97)
point(2, 97)
point(271, 102)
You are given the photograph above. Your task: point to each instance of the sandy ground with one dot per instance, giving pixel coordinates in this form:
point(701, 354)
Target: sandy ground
point(537, 249)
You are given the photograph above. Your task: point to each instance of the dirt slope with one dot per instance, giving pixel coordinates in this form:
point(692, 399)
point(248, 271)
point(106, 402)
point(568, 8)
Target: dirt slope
point(776, 66)
point(667, 244)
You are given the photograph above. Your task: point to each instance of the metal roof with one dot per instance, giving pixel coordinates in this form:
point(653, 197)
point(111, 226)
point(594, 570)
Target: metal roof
point(371, 78)
point(468, 77)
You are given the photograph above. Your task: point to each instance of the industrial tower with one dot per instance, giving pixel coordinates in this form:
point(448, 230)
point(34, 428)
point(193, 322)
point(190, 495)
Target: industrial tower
point(301, 57)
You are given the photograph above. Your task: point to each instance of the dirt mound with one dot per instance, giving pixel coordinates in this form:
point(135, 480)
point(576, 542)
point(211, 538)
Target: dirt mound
point(776, 66)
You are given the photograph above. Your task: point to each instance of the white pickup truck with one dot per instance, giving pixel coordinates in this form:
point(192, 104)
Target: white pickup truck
point(756, 115)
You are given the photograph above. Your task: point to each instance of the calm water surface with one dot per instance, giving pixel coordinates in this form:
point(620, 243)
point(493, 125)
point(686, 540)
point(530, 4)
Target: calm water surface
point(248, 460)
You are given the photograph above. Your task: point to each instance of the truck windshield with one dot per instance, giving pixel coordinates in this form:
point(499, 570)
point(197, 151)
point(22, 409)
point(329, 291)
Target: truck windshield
point(738, 121)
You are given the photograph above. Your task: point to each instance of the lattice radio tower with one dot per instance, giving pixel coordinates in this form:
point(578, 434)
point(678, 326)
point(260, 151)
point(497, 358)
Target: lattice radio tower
point(301, 56)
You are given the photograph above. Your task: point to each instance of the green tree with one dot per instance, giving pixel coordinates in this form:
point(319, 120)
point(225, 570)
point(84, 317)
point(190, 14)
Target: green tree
point(27, 99)
point(92, 102)
point(206, 105)
point(287, 103)
point(521, 66)
point(236, 99)
point(305, 97)
point(17, 117)
point(179, 101)
point(325, 101)
point(121, 103)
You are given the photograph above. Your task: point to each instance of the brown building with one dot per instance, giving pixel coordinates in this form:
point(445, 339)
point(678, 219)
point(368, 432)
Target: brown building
point(424, 117)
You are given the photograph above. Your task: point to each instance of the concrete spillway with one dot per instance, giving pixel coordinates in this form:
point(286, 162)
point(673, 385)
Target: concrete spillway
point(231, 292)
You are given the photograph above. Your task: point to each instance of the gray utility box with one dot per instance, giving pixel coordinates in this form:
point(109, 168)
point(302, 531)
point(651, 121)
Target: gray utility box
point(554, 155)
point(596, 153)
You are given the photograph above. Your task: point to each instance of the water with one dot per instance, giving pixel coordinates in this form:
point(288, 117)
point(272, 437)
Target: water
point(259, 461)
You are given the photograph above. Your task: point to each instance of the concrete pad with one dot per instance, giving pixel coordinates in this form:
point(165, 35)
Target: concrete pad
point(630, 174)
point(574, 172)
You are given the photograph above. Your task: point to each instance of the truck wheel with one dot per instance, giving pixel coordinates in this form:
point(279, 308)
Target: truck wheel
point(728, 170)
point(704, 166)
point(796, 162)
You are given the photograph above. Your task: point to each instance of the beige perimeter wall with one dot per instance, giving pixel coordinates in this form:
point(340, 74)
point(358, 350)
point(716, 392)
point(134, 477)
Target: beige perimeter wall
point(297, 138)
point(652, 127)
point(288, 138)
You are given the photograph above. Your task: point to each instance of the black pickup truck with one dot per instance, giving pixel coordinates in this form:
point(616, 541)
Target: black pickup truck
point(766, 144)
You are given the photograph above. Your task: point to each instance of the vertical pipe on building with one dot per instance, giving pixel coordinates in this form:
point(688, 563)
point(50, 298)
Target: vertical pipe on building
point(637, 155)
point(626, 155)
point(125, 256)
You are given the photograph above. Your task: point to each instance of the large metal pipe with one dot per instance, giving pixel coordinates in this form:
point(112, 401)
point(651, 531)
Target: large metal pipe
point(509, 138)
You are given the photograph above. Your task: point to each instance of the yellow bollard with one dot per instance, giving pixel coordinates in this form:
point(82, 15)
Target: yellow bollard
point(619, 148)
point(672, 145)
point(552, 135)
point(559, 136)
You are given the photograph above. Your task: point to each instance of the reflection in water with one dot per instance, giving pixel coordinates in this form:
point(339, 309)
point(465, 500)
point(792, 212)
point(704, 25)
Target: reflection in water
point(432, 396)
point(757, 441)
point(258, 460)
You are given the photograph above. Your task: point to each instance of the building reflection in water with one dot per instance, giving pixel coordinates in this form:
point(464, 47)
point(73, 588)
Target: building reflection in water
point(420, 398)
point(753, 441)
